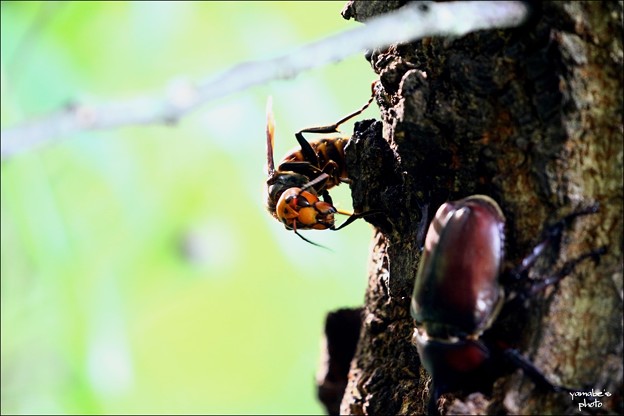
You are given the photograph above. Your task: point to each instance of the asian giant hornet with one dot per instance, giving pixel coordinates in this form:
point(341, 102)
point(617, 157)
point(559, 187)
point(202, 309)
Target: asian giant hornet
point(293, 189)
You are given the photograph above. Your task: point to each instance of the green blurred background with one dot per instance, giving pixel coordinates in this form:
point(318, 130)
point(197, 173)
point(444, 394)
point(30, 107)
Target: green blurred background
point(140, 270)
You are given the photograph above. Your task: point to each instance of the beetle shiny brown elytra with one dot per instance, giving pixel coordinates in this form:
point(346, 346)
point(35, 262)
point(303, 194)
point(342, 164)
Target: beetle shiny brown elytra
point(461, 290)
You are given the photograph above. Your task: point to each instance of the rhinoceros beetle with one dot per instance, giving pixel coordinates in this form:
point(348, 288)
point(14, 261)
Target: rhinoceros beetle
point(461, 288)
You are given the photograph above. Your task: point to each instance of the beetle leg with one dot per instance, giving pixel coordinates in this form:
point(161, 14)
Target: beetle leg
point(533, 372)
point(552, 237)
point(566, 269)
point(432, 406)
point(422, 227)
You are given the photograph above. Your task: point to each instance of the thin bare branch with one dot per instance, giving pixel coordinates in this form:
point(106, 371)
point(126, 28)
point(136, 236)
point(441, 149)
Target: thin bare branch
point(411, 22)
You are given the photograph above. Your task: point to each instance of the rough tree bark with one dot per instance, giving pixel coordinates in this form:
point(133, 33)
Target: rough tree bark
point(533, 118)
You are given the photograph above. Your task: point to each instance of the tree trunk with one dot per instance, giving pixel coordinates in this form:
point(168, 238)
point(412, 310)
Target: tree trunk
point(533, 118)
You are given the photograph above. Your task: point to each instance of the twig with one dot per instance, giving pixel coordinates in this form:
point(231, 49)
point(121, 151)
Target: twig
point(411, 22)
